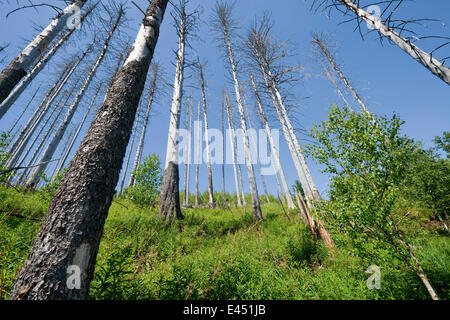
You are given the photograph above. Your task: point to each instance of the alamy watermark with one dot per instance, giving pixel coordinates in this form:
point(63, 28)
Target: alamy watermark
point(74, 19)
point(232, 143)
point(375, 12)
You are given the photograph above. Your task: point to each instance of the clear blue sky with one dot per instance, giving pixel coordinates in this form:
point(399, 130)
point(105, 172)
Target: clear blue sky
point(388, 80)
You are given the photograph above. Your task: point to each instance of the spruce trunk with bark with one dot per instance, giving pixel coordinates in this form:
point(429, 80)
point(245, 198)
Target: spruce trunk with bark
point(62, 258)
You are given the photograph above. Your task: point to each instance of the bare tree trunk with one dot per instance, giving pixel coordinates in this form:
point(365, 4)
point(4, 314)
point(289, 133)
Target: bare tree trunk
point(169, 202)
point(333, 64)
point(68, 240)
point(17, 91)
point(24, 110)
point(230, 131)
point(68, 149)
point(257, 214)
point(188, 164)
point(43, 139)
point(211, 201)
point(432, 64)
point(17, 68)
point(130, 151)
point(144, 125)
point(223, 150)
point(70, 136)
point(51, 147)
point(275, 154)
point(199, 144)
point(32, 124)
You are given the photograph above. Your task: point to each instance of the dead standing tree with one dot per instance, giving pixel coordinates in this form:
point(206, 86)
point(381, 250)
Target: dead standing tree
point(56, 139)
point(18, 67)
point(225, 27)
point(69, 236)
point(169, 202)
point(398, 31)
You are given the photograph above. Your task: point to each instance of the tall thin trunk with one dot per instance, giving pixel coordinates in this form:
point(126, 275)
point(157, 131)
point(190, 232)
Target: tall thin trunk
point(32, 124)
point(223, 149)
point(273, 147)
point(339, 91)
point(169, 202)
point(140, 147)
point(230, 132)
point(211, 201)
point(432, 64)
point(68, 149)
point(24, 110)
point(38, 111)
point(17, 91)
point(197, 156)
point(130, 151)
point(70, 136)
point(257, 214)
point(69, 236)
point(51, 147)
point(18, 67)
point(60, 107)
point(333, 64)
point(188, 163)
point(280, 192)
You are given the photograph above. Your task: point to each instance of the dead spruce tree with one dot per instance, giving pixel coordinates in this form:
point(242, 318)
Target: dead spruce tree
point(188, 161)
point(264, 54)
point(51, 147)
point(21, 141)
point(231, 138)
point(69, 236)
point(273, 147)
point(169, 202)
point(155, 78)
point(320, 44)
point(198, 130)
point(201, 66)
point(14, 94)
point(397, 31)
point(225, 27)
point(19, 66)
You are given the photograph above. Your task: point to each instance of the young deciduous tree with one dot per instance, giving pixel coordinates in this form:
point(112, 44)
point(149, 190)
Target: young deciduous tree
point(69, 236)
point(366, 174)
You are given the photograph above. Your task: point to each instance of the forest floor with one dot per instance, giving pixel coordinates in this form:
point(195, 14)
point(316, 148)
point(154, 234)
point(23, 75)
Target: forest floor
point(223, 254)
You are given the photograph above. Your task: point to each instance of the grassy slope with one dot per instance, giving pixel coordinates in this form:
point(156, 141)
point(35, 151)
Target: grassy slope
point(220, 254)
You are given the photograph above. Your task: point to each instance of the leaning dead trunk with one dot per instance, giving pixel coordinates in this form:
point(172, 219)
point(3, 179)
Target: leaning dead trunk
point(169, 202)
point(144, 125)
point(211, 201)
point(14, 94)
point(17, 68)
point(51, 148)
point(273, 147)
point(333, 64)
point(257, 214)
point(62, 258)
point(432, 64)
point(68, 149)
point(23, 112)
point(233, 155)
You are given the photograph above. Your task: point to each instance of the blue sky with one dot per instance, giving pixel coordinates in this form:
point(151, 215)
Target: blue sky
point(387, 79)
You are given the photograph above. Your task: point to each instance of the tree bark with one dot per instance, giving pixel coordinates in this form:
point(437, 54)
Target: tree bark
point(70, 234)
point(17, 68)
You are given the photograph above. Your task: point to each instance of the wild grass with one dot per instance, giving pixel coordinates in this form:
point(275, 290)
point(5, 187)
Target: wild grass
point(220, 254)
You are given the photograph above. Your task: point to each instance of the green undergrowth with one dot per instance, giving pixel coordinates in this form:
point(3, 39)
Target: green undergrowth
point(221, 254)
